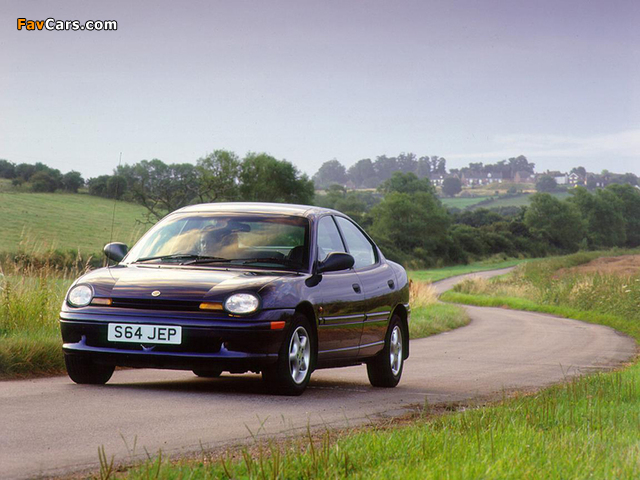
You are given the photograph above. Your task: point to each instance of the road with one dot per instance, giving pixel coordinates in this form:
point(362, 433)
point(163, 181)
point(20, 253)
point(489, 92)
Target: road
point(51, 426)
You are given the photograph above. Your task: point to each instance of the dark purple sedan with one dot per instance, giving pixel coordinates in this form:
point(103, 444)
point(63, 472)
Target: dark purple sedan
point(236, 287)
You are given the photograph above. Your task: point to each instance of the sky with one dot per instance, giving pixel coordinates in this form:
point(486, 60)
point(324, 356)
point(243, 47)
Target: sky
point(310, 81)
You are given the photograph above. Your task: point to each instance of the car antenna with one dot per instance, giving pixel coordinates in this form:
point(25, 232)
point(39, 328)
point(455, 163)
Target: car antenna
point(113, 216)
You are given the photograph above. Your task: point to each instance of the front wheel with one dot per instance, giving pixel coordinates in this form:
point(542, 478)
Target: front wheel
point(385, 369)
point(290, 374)
point(83, 370)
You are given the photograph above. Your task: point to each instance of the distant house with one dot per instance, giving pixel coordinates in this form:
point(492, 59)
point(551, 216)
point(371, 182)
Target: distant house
point(473, 178)
point(437, 179)
point(595, 180)
point(575, 179)
point(495, 177)
point(559, 177)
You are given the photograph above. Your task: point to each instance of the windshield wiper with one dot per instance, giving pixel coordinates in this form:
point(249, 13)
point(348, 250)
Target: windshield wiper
point(204, 259)
point(180, 256)
point(281, 261)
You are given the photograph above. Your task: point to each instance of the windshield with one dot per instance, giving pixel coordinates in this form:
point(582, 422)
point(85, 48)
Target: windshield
point(238, 240)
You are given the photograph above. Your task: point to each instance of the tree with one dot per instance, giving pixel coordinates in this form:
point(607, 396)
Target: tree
point(423, 167)
point(630, 200)
point(72, 181)
point(556, 222)
point(98, 185)
point(25, 171)
point(407, 162)
point(266, 179)
point(520, 164)
point(603, 215)
point(479, 217)
point(627, 178)
point(581, 171)
point(406, 183)
point(362, 174)
point(451, 186)
point(218, 176)
point(159, 187)
point(410, 226)
point(43, 182)
point(438, 165)
point(385, 166)
point(116, 187)
point(329, 173)
point(546, 184)
point(7, 169)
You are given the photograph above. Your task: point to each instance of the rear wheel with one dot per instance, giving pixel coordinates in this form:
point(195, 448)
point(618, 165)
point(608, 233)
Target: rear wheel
point(83, 370)
point(385, 369)
point(213, 373)
point(290, 374)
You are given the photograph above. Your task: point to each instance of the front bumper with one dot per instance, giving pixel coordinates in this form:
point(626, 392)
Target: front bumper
point(230, 344)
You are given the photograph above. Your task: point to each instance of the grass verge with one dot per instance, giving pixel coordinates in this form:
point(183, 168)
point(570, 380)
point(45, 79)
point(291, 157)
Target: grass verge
point(30, 343)
point(628, 326)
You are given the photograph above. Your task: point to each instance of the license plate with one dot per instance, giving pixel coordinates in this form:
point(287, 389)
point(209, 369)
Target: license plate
point(124, 332)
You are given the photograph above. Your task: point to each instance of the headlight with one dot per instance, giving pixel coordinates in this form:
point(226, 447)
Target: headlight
point(80, 296)
point(242, 303)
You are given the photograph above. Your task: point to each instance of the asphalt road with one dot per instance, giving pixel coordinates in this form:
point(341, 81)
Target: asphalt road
point(51, 426)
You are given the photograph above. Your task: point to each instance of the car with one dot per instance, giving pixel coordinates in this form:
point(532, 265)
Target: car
point(276, 289)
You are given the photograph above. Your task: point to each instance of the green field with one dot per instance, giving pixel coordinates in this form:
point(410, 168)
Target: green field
point(38, 222)
point(471, 203)
point(461, 202)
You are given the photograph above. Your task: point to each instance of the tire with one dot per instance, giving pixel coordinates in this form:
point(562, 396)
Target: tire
point(83, 370)
point(290, 374)
point(385, 369)
point(213, 373)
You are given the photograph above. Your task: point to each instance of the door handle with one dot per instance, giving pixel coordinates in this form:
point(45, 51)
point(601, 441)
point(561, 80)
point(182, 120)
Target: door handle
point(356, 288)
point(391, 284)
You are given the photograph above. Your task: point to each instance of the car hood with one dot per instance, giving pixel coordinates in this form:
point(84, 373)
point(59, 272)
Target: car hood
point(175, 283)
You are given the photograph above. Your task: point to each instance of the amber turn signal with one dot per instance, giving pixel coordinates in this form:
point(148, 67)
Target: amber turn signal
point(277, 325)
point(211, 306)
point(101, 301)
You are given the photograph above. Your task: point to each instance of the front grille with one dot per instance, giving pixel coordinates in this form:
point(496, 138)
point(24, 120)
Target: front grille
point(156, 304)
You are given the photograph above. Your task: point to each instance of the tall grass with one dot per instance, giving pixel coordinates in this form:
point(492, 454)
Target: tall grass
point(429, 316)
point(30, 299)
point(608, 298)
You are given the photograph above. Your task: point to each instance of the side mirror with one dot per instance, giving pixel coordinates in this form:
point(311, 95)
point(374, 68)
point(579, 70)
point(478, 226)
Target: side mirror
point(335, 262)
point(115, 251)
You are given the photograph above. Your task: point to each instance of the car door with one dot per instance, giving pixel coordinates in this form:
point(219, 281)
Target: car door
point(378, 282)
point(341, 309)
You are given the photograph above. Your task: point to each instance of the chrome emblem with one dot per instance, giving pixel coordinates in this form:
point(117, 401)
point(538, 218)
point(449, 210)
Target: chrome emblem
point(155, 293)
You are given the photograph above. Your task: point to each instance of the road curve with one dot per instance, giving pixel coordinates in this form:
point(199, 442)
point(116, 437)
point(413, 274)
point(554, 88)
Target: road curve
point(51, 426)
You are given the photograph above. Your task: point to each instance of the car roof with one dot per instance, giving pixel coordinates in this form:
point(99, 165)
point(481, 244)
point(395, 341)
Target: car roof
point(256, 207)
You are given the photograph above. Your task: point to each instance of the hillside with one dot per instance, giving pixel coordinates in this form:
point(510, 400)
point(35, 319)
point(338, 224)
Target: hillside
point(41, 221)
